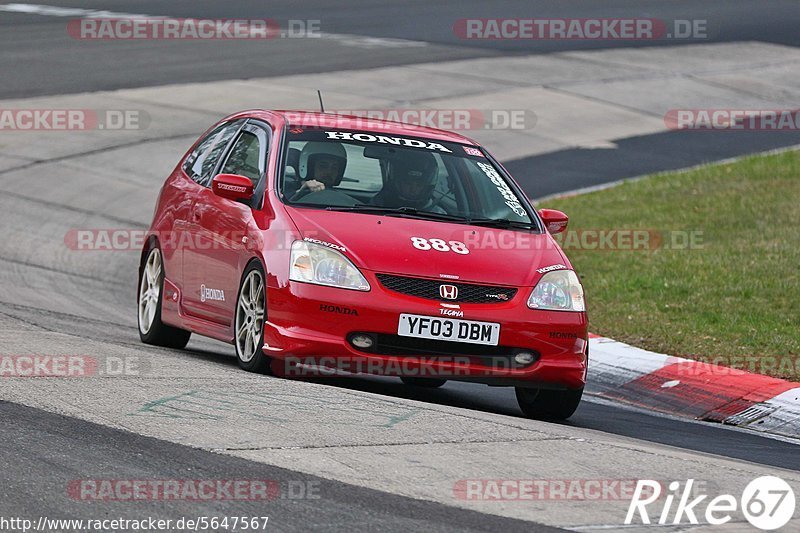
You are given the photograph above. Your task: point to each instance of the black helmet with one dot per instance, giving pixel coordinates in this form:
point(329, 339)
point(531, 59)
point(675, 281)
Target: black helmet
point(412, 176)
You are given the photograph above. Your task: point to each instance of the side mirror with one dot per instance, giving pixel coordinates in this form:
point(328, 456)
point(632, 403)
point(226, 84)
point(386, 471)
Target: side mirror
point(232, 186)
point(555, 221)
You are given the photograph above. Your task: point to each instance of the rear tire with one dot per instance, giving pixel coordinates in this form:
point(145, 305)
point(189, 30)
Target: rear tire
point(425, 383)
point(151, 288)
point(248, 325)
point(544, 404)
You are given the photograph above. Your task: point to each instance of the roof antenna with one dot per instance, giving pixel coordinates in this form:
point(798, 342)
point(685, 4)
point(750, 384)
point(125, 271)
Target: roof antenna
point(321, 106)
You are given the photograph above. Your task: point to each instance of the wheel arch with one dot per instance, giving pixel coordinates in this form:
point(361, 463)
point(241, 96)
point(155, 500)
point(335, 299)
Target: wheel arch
point(259, 260)
point(150, 243)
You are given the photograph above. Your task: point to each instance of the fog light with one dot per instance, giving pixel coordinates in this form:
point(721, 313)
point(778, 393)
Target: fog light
point(364, 342)
point(524, 358)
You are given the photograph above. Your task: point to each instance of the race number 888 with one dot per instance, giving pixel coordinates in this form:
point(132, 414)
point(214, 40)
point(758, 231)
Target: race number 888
point(439, 245)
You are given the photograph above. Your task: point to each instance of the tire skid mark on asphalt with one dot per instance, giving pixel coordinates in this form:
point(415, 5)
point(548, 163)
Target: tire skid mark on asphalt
point(27, 159)
point(73, 209)
point(76, 318)
point(386, 444)
point(17, 262)
point(56, 287)
point(77, 155)
point(214, 405)
point(213, 115)
point(75, 321)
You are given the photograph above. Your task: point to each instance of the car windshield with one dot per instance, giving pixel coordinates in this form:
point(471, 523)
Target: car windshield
point(398, 175)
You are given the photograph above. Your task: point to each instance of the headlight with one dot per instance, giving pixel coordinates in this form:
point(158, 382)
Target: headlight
point(313, 263)
point(559, 290)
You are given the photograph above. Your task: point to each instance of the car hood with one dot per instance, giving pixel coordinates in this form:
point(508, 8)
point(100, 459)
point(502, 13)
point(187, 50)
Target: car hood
point(385, 244)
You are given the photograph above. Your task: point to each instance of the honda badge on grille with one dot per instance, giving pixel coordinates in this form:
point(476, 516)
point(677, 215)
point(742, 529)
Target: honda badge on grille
point(448, 292)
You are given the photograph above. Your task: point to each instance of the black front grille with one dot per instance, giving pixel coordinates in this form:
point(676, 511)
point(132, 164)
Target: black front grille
point(429, 289)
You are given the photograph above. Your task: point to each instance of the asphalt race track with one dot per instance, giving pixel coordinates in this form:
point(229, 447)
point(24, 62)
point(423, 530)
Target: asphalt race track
point(343, 506)
point(384, 456)
point(60, 65)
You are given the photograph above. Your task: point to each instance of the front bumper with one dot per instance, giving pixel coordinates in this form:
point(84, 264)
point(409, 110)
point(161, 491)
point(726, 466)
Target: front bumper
point(309, 329)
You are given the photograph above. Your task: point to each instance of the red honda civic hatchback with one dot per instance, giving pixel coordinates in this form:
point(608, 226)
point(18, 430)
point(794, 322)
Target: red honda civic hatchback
point(321, 244)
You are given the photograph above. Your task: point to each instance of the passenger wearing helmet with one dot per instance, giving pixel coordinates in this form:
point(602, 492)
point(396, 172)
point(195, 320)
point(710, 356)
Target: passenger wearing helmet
point(322, 166)
point(410, 181)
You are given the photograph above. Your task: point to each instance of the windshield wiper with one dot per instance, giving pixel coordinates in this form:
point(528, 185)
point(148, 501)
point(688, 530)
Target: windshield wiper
point(416, 213)
point(397, 211)
point(501, 223)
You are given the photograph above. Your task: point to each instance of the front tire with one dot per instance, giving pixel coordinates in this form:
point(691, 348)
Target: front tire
point(545, 404)
point(251, 312)
point(151, 287)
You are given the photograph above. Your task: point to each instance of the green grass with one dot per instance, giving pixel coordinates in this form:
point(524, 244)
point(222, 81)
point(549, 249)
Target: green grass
point(733, 299)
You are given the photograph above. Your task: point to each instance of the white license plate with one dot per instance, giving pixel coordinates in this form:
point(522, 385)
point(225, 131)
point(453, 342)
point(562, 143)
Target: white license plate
point(449, 329)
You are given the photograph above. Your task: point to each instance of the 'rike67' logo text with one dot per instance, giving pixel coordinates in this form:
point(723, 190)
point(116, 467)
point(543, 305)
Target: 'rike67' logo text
point(767, 502)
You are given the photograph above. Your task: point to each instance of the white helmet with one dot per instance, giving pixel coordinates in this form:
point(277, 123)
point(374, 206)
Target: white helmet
point(312, 150)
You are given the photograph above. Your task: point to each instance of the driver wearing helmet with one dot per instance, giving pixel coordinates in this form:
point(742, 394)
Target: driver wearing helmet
point(322, 166)
point(410, 182)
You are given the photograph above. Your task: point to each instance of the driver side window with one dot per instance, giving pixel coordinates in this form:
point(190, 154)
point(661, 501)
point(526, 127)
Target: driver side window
point(201, 162)
point(245, 158)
